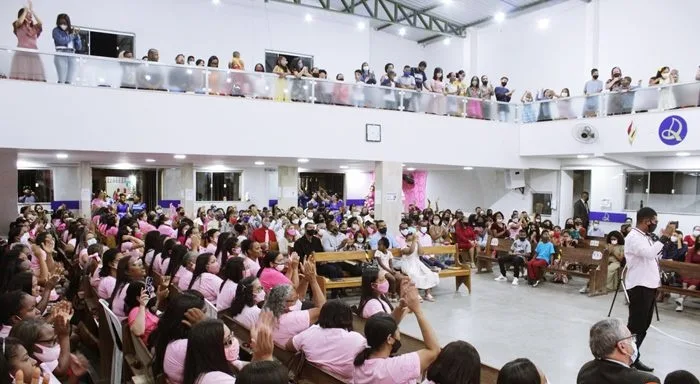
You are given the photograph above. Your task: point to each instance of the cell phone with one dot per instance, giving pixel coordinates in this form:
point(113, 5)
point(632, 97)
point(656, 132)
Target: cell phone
point(674, 223)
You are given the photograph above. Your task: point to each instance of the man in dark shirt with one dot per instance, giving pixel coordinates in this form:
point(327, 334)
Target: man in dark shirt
point(614, 349)
point(503, 95)
point(419, 75)
point(309, 243)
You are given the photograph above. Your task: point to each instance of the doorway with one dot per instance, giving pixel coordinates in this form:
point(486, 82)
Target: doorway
point(582, 182)
point(130, 182)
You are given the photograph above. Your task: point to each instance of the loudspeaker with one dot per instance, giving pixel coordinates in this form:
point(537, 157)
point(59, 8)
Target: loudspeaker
point(515, 178)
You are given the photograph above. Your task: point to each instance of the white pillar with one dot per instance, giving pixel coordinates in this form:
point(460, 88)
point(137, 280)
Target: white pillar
point(387, 193)
point(288, 187)
point(592, 36)
point(187, 192)
point(8, 188)
point(85, 177)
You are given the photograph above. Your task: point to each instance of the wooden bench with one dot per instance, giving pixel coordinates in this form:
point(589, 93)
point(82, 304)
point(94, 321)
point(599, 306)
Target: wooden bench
point(597, 271)
point(489, 374)
point(485, 260)
point(686, 270)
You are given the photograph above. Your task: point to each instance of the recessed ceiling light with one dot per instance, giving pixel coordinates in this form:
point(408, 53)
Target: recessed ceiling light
point(543, 23)
point(403, 165)
point(216, 2)
point(303, 160)
point(61, 155)
point(410, 169)
point(150, 160)
point(180, 157)
point(259, 163)
point(468, 168)
point(402, 31)
point(308, 18)
point(123, 165)
point(582, 156)
point(447, 41)
point(361, 25)
point(683, 154)
point(344, 167)
point(499, 17)
point(216, 167)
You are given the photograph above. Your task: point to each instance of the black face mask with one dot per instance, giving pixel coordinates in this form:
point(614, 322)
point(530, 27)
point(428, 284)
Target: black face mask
point(395, 347)
point(503, 83)
point(485, 83)
point(652, 227)
point(311, 232)
point(595, 77)
point(522, 238)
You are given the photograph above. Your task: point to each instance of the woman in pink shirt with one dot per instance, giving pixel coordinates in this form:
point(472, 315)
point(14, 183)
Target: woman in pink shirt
point(251, 250)
point(108, 273)
point(141, 316)
point(166, 228)
point(27, 28)
point(373, 296)
point(331, 344)
point(226, 248)
point(157, 265)
point(169, 339)
point(183, 276)
point(211, 352)
point(245, 309)
point(175, 262)
point(276, 270)
point(375, 364)
point(153, 244)
point(210, 238)
point(129, 269)
point(233, 274)
point(204, 277)
point(458, 362)
point(283, 302)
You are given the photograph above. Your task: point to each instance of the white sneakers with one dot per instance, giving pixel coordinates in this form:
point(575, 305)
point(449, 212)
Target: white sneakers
point(679, 303)
point(515, 281)
point(501, 278)
point(584, 289)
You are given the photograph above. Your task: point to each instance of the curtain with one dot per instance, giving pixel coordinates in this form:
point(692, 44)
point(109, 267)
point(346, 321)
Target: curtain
point(415, 193)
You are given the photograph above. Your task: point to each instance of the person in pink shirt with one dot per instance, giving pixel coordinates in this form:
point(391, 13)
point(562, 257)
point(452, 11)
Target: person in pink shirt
point(109, 226)
point(226, 248)
point(284, 303)
point(245, 309)
point(379, 364)
point(211, 237)
point(204, 277)
point(129, 269)
point(251, 251)
point(211, 352)
point(153, 244)
point(183, 276)
point(331, 344)
point(16, 306)
point(141, 316)
point(166, 228)
point(144, 225)
point(108, 273)
point(169, 339)
point(458, 362)
point(175, 262)
point(232, 274)
point(373, 295)
point(157, 265)
point(276, 270)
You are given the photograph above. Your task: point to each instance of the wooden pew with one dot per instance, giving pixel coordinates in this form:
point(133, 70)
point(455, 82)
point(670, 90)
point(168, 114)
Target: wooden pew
point(687, 270)
point(485, 260)
point(409, 344)
point(598, 271)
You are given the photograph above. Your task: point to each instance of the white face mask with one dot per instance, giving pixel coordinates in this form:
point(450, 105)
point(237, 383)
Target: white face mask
point(280, 267)
point(25, 238)
point(674, 238)
point(404, 232)
point(696, 233)
point(664, 75)
point(360, 239)
point(424, 229)
point(48, 355)
point(595, 226)
point(91, 241)
point(64, 27)
point(613, 241)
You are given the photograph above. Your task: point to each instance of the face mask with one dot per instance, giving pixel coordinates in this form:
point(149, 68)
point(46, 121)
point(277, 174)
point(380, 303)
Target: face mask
point(91, 241)
point(404, 232)
point(265, 224)
point(191, 62)
point(360, 239)
point(48, 355)
point(311, 232)
point(382, 231)
point(295, 307)
point(64, 26)
point(522, 238)
point(395, 348)
point(213, 268)
point(503, 83)
point(696, 233)
point(595, 77)
point(355, 227)
point(25, 238)
point(310, 215)
point(159, 211)
point(635, 354)
point(613, 241)
point(259, 297)
point(485, 82)
point(595, 226)
point(365, 68)
point(564, 94)
point(545, 239)
point(231, 351)
point(383, 288)
point(280, 267)
point(406, 73)
point(674, 239)
point(652, 227)
point(291, 232)
point(370, 230)
point(664, 76)
point(616, 75)
point(424, 229)
point(499, 221)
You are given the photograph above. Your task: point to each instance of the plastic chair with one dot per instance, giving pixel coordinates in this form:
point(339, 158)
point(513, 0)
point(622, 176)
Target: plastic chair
point(115, 329)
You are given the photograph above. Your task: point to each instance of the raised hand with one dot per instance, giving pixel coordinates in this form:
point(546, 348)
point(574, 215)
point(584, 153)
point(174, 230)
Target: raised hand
point(193, 316)
point(412, 298)
point(294, 260)
point(143, 298)
point(36, 377)
point(261, 336)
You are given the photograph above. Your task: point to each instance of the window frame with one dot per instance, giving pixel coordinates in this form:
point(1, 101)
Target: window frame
point(211, 191)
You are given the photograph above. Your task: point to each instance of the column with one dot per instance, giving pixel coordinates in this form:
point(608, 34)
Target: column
point(8, 188)
point(85, 180)
point(387, 194)
point(187, 192)
point(288, 187)
point(592, 36)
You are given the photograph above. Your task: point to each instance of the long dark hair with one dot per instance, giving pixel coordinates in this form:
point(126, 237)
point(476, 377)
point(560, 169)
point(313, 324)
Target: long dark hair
point(519, 371)
point(170, 326)
point(458, 362)
point(209, 236)
point(335, 314)
point(244, 296)
point(108, 258)
point(122, 278)
point(9, 266)
point(220, 244)
point(269, 258)
point(133, 296)
point(435, 73)
point(22, 281)
point(177, 259)
point(377, 329)
point(67, 19)
point(200, 267)
point(367, 293)
point(225, 247)
point(233, 270)
point(205, 350)
point(165, 253)
point(153, 242)
point(264, 371)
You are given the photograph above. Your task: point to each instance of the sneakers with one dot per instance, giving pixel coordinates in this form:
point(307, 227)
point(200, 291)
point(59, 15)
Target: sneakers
point(515, 281)
point(679, 303)
point(536, 283)
point(583, 290)
point(501, 278)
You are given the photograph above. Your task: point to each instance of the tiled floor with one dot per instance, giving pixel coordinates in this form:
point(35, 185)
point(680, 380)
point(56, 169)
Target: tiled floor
point(549, 324)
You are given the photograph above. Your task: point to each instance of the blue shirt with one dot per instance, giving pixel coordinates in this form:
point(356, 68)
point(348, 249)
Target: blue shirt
point(502, 94)
point(62, 38)
point(545, 251)
point(374, 240)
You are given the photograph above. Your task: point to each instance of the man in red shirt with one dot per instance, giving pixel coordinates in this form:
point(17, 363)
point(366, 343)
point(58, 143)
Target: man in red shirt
point(466, 238)
point(264, 235)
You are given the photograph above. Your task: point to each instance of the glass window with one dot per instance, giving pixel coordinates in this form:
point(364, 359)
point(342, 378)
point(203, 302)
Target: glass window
point(34, 185)
point(636, 190)
point(542, 203)
point(666, 192)
point(218, 186)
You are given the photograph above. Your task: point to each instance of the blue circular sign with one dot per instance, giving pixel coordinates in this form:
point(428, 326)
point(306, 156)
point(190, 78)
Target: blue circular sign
point(673, 130)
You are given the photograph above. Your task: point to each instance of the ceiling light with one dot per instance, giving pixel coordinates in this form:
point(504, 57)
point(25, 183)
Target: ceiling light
point(543, 23)
point(61, 155)
point(499, 17)
point(150, 160)
point(361, 25)
point(410, 169)
point(447, 41)
point(402, 31)
point(683, 154)
point(26, 164)
point(216, 167)
point(180, 157)
point(216, 2)
point(344, 167)
point(447, 2)
point(303, 160)
point(259, 163)
point(308, 18)
point(123, 165)
point(468, 168)
point(403, 165)
point(582, 156)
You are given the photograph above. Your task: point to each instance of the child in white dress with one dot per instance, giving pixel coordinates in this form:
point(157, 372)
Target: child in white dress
point(418, 272)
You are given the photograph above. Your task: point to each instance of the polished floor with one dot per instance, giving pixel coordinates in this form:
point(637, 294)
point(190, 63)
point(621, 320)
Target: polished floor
point(549, 324)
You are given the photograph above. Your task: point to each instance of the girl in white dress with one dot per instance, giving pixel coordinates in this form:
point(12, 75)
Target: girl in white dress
point(418, 272)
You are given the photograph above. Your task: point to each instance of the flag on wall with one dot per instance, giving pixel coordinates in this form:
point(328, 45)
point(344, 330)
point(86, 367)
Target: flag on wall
point(631, 132)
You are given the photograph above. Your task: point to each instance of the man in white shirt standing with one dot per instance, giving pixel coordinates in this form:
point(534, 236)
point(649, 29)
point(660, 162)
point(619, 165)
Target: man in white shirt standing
point(642, 251)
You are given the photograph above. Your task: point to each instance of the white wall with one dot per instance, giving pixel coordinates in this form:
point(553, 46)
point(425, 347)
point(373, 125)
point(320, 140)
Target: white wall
point(66, 183)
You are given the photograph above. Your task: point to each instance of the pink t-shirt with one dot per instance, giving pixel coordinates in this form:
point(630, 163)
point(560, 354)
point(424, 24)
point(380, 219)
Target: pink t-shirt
point(34, 262)
point(248, 316)
point(270, 278)
point(226, 295)
point(118, 302)
point(211, 248)
point(402, 369)
point(252, 267)
point(167, 231)
point(164, 266)
point(112, 231)
point(184, 276)
point(157, 263)
point(334, 349)
point(95, 279)
point(104, 291)
point(174, 361)
point(151, 322)
point(148, 257)
point(290, 324)
point(208, 284)
point(145, 227)
point(375, 306)
point(215, 377)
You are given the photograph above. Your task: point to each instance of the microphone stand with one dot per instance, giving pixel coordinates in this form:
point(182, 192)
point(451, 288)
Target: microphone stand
point(621, 283)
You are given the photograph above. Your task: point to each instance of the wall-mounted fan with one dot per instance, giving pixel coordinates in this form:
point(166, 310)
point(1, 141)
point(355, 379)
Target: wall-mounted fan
point(585, 133)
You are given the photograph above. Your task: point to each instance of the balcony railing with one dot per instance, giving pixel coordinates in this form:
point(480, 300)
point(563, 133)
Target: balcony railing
point(91, 71)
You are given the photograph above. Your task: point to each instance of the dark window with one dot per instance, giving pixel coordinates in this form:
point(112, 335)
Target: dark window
point(218, 186)
point(542, 203)
point(105, 43)
point(38, 181)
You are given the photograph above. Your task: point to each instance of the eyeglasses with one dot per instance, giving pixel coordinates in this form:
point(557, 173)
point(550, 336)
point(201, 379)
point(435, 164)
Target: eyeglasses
point(633, 337)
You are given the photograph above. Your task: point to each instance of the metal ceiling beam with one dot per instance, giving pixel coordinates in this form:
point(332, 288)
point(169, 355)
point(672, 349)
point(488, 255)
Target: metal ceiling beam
point(518, 11)
point(389, 11)
point(402, 18)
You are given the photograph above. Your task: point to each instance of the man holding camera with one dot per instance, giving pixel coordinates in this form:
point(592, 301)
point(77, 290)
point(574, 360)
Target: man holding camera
point(642, 251)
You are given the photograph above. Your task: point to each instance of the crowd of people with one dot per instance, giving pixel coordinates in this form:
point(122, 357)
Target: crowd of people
point(436, 94)
point(258, 266)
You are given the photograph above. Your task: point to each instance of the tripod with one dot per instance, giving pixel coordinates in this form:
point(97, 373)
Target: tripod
point(621, 283)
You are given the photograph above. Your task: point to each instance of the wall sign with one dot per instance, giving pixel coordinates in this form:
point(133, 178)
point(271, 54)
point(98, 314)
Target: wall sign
point(631, 132)
point(673, 130)
point(373, 133)
point(609, 217)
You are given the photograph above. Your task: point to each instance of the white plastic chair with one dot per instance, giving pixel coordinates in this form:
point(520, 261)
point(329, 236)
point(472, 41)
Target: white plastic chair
point(115, 329)
point(211, 310)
